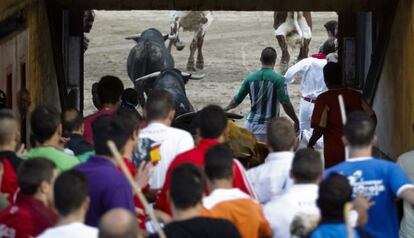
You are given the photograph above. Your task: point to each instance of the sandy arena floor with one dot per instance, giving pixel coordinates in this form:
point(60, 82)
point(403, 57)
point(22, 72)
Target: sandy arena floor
point(231, 50)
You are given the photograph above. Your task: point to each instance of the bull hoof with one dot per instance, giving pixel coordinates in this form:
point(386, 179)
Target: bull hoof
point(200, 64)
point(190, 66)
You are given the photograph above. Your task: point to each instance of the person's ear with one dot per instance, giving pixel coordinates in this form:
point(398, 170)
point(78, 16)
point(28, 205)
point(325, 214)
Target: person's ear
point(344, 140)
point(374, 140)
point(171, 115)
point(226, 132)
point(82, 129)
point(86, 203)
point(59, 130)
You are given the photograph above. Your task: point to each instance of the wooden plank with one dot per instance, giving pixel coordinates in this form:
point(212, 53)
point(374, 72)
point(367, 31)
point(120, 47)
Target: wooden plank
point(227, 5)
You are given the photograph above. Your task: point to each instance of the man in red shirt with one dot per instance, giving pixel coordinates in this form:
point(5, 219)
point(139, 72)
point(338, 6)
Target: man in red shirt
point(9, 138)
point(110, 89)
point(212, 125)
point(31, 214)
point(326, 117)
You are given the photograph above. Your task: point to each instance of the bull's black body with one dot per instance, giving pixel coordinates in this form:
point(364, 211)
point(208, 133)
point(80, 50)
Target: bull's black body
point(149, 55)
point(172, 81)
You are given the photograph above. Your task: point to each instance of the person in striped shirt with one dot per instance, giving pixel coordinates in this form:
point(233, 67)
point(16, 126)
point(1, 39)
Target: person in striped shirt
point(267, 90)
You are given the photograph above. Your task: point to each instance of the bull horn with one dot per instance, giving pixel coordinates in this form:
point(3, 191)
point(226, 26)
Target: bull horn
point(193, 76)
point(152, 75)
point(133, 37)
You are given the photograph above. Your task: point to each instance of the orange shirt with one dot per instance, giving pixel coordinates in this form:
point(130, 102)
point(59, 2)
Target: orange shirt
point(237, 207)
point(327, 115)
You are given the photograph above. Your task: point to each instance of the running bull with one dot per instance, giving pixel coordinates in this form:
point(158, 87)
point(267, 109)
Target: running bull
point(150, 65)
point(194, 21)
point(293, 28)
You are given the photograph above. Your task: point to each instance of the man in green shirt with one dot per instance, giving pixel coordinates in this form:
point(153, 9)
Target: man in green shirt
point(46, 128)
point(267, 90)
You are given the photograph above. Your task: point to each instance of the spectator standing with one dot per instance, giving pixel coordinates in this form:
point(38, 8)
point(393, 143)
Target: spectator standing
point(187, 188)
point(301, 198)
point(212, 126)
point(109, 91)
point(119, 223)
point(46, 128)
point(334, 193)
point(108, 187)
point(159, 142)
point(326, 117)
point(407, 223)
point(226, 202)
point(73, 128)
point(71, 202)
point(267, 90)
point(380, 180)
point(272, 178)
point(9, 140)
point(32, 212)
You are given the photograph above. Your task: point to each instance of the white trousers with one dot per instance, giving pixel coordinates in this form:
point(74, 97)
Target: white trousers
point(305, 116)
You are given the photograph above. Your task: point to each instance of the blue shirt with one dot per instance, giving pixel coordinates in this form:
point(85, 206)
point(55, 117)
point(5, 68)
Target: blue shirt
point(331, 230)
point(108, 188)
point(382, 181)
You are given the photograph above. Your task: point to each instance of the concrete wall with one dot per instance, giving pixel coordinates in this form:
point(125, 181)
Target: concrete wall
point(394, 100)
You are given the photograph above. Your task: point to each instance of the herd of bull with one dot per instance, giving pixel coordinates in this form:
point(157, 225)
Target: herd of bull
point(150, 64)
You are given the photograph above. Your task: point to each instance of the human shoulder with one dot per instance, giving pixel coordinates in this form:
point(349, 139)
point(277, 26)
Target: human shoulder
point(70, 230)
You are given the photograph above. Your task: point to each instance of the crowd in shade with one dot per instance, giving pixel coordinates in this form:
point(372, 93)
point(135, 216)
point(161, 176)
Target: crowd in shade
point(162, 181)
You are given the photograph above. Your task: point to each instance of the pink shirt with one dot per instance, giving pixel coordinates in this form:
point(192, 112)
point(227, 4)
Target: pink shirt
point(88, 134)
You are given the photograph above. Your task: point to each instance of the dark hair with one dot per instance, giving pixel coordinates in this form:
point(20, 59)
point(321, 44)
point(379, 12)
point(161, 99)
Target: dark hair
point(212, 121)
point(334, 192)
point(130, 95)
point(160, 102)
point(32, 173)
point(72, 120)
point(306, 166)
point(359, 129)
point(70, 191)
point(328, 47)
point(110, 89)
point(219, 162)
point(187, 186)
point(9, 126)
point(44, 122)
point(106, 128)
point(280, 134)
point(332, 74)
point(268, 56)
point(130, 119)
point(330, 26)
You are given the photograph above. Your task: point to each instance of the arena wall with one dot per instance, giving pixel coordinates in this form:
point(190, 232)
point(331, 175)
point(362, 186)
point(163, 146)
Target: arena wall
point(394, 100)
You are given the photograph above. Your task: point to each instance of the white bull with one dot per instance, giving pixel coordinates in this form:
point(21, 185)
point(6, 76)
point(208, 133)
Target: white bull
point(195, 21)
point(293, 28)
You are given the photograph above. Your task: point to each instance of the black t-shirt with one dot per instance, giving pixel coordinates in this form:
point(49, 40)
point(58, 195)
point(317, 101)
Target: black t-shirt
point(201, 227)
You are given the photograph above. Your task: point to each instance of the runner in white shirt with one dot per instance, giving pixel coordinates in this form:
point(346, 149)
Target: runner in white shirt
point(71, 201)
point(313, 84)
point(159, 142)
point(301, 198)
point(272, 178)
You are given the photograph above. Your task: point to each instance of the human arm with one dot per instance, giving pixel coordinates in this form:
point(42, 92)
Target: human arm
point(316, 135)
point(297, 69)
point(243, 91)
point(290, 111)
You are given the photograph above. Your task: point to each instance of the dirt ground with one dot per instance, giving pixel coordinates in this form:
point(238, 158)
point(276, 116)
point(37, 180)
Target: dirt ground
point(231, 50)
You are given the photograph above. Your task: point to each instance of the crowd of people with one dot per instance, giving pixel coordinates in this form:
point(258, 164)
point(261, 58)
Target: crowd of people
point(70, 183)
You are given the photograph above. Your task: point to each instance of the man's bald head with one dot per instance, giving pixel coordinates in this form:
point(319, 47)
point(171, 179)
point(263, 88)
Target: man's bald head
point(72, 121)
point(118, 223)
point(9, 127)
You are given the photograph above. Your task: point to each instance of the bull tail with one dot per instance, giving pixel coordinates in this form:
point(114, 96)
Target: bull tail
point(296, 15)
